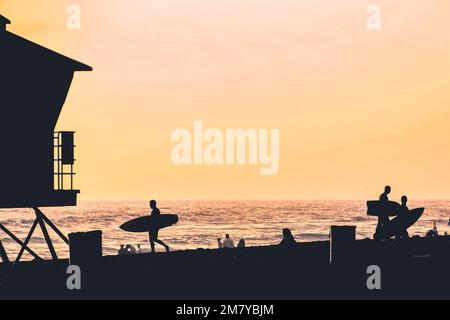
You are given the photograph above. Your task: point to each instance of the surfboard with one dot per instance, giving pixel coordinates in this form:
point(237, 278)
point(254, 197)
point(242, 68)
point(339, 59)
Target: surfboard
point(382, 208)
point(147, 223)
point(400, 223)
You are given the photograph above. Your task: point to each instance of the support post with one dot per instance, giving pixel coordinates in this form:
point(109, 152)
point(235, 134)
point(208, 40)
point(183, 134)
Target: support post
point(50, 223)
point(12, 236)
point(41, 219)
point(3, 254)
point(27, 240)
point(46, 235)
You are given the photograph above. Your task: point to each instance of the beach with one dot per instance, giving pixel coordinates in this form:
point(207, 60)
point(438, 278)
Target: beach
point(202, 222)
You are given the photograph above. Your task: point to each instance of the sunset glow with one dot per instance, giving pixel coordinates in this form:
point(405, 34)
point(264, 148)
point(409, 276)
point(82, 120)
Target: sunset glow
point(357, 109)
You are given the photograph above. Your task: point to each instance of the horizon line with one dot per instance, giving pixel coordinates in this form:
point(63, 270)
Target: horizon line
point(324, 199)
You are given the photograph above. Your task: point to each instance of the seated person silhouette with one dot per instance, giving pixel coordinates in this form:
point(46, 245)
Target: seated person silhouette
point(241, 243)
point(383, 219)
point(402, 213)
point(228, 242)
point(288, 238)
point(219, 243)
point(130, 249)
point(433, 232)
point(153, 233)
point(122, 250)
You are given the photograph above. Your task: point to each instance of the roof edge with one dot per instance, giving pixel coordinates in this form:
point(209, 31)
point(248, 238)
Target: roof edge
point(76, 65)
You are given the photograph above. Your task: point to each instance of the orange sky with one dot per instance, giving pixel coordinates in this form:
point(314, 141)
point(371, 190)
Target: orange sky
point(356, 109)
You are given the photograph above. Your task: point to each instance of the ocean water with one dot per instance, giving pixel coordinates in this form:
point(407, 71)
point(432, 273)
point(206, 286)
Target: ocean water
point(202, 222)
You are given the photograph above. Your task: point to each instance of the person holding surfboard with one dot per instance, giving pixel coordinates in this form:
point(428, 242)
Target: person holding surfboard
point(403, 213)
point(153, 233)
point(383, 219)
point(151, 224)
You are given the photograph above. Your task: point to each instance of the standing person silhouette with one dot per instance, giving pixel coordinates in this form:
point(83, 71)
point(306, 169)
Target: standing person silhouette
point(383, 219)
point(153, 233)
point(403, 213)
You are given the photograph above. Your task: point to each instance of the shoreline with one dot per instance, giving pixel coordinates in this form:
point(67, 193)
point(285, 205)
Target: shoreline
point(416, 268)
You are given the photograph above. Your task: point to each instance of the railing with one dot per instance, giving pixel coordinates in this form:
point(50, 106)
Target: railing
point(64, 159)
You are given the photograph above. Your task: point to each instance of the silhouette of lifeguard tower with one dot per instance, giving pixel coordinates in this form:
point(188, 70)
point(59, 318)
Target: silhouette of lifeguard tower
point(36, 163)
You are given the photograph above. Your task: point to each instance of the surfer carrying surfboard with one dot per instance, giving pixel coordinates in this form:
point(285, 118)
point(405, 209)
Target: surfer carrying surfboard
point(153, 232)
point(382, 218)
point(402, 214)
point(151, 224)
point(404, 218)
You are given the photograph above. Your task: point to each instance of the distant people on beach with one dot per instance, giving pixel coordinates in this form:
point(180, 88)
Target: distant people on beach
point(241, 243)
point(219, 243)
point(288, 238)
point(228, 242)
point(130, 249)
point(126, 250)
point(153, 234)
point(122, 250)
point(433, 232)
